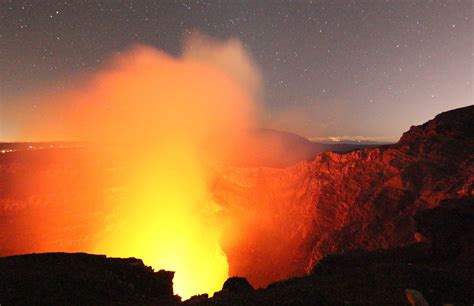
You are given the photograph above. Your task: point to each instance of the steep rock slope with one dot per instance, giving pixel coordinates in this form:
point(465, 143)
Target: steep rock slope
point(280, 222)
point(441, 269)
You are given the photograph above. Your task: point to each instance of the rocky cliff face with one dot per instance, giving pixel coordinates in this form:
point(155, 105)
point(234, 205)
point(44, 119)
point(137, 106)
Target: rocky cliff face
point(440, 269)
point(288, 219)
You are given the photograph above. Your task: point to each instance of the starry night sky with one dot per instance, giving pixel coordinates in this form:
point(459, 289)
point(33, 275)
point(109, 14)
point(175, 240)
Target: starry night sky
point(355, 68)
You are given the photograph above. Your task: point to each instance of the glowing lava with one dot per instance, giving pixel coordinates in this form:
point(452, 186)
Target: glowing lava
point(167, 221)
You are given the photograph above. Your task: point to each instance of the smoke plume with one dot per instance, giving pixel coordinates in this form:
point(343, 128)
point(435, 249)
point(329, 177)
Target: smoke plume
point(165, 122)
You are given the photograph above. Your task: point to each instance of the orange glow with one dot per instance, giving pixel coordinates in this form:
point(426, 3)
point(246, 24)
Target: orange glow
point(173, 117)
point(165, 122)
point(160, 132)
point(166, 221)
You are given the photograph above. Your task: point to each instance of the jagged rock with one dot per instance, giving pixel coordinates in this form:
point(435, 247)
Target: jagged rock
point(380, 276)
point(197, 299)
point(377, 277)
point(82, 279)
point(283, 221)
point(237, 284)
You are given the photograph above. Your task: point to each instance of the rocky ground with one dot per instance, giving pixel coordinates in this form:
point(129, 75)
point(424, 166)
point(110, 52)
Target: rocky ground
point(82, 279)
point(441, 269)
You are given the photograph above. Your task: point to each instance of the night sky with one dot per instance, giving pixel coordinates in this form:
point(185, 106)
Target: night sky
point(331, 68)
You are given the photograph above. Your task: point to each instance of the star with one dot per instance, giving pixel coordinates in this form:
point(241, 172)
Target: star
point(396, 53)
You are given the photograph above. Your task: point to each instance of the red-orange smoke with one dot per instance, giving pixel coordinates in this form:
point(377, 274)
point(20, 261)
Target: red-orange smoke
point(165, 121)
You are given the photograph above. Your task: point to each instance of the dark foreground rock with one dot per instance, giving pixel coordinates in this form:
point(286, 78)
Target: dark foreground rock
point(237, 284)
point(82, 279)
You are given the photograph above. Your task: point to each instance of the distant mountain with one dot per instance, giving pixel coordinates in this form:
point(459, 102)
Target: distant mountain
point(273, 148)
point(336, 140)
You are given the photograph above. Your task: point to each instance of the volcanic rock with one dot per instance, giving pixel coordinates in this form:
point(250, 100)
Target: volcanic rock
point(449, 228)
point(283, 221)
point(237, 284)
point(384, 276)
point(82, 279)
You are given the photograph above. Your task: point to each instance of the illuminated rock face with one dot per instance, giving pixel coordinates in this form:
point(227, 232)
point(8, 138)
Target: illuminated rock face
point(276, 222)
point(282, 221)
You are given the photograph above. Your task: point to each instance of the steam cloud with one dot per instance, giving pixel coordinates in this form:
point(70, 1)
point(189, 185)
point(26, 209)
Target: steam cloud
point(229, 56)
point(166, 121)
